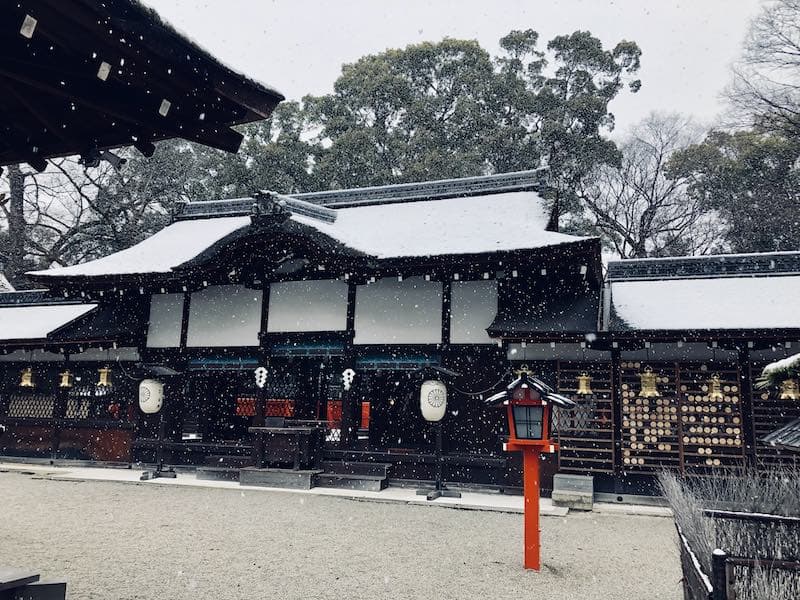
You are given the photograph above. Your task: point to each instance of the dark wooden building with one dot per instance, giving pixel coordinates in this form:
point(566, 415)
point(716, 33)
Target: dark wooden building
point(391, 282)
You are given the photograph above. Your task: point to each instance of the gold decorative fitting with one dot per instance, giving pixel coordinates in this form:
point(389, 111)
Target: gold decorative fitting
point(790, 389)
point(523, 369)
point(105, 377)
point(715, 388)
point(648, 383)
point(66, 379)
point(26, 378)
point(584, 387)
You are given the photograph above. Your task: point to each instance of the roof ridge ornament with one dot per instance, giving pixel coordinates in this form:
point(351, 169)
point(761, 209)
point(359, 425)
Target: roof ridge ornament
point(295, 206)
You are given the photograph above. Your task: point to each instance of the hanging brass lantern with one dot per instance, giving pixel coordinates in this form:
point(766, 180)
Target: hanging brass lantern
point(584, 384)
point(648, 383)
point(715, 388)
point(105, 377)
point(790, 389)
point(26, 378)
point(66, 379)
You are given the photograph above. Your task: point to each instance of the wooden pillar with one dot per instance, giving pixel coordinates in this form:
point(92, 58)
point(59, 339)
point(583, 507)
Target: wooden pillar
point(59, 412)
point(349, 425)
point(532, 533)
point(746, 397)
point(447, 295)
point(616, 409)
point(187, 300)
point(264, 355)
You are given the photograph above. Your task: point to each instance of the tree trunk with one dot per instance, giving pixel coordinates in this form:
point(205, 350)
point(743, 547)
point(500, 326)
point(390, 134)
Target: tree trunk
point(555, 212)
point(16, 225)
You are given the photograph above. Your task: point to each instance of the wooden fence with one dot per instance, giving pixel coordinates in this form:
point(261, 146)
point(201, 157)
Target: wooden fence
point(727, 570)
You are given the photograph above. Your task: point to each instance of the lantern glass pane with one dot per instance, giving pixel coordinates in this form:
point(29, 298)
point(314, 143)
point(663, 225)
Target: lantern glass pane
point(528, 422)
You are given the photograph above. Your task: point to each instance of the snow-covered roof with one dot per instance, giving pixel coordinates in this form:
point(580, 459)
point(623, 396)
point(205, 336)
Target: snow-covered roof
point(472, 225)
point(451, 226)
point(219, 45)
point(169, 248)
point(20, 323)
point(5, 286)
point(719, 303)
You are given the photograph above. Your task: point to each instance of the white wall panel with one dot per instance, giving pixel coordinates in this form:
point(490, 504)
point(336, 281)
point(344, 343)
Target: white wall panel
point(301, 306)
point(166, 315)
point(399, 312)
point(224, 315)
point(473, 307)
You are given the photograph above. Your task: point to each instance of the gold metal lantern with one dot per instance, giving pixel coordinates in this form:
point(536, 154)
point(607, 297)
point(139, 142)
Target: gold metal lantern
point(105, 377)
point(790, 389)
point(584, 384)
point(26, 378)
point(648, 384)
point(715, 388)
point(66, 379)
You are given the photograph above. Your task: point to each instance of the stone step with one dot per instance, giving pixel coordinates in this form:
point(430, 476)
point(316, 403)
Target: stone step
point(345, 481)
point(217, 473)
point(279, 478)
point(347, 467)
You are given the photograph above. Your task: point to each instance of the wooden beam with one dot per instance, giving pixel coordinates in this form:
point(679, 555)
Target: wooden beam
point(104, 101)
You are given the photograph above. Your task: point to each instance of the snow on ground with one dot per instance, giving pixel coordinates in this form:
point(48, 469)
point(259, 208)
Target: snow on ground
point(124, 541)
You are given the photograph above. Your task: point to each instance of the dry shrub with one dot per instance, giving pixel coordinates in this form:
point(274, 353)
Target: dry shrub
point(773, 491)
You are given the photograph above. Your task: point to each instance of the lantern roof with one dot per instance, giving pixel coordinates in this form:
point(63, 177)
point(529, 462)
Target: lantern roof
point(524, 379)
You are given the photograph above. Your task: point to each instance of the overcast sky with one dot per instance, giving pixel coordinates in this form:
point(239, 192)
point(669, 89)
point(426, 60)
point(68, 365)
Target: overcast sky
point(299, 46)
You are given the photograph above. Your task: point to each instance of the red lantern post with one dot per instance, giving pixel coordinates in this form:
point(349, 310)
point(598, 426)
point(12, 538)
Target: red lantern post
point(528, 404)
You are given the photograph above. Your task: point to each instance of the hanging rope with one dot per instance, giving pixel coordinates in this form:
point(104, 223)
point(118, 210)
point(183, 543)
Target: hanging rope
point(487, 390)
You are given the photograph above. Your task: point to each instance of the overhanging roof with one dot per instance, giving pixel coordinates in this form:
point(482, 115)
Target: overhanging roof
point(83, 75)
point(547, 314)
point(479, 224)
point(35, 323)
point(116, 322)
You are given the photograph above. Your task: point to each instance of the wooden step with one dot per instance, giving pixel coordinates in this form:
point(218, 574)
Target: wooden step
point(227, 460)
point(279, 478)
point(366, 483)
point(346, 467)
point(217, 473)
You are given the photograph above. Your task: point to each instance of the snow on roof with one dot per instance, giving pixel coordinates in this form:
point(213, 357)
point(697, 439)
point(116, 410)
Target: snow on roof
point(727, 303)
point(790, 363)
point(36, 322)
point(220, 46)
point(471, 225)
point(160, 253)
point(5, 286)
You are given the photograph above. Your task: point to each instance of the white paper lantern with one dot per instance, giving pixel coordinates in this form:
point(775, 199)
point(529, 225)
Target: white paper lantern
point(151, 396)
point(433, 400)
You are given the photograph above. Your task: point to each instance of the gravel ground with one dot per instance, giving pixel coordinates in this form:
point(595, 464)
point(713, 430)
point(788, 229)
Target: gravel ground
point(123, 541)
